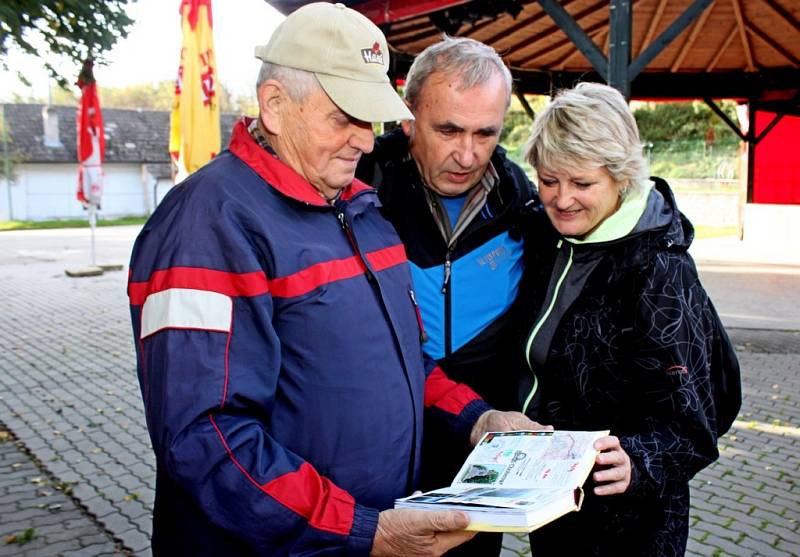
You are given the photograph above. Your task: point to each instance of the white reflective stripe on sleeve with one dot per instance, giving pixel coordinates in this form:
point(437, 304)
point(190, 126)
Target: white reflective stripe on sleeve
point(183, 308)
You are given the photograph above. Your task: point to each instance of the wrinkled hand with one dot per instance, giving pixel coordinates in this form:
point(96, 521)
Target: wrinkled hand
point(495, 420)
point(614, 477)
point(419, 533)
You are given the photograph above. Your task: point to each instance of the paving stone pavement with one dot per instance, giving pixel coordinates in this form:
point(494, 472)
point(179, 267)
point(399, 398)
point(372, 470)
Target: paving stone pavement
point(68, 392)
point(39, 518)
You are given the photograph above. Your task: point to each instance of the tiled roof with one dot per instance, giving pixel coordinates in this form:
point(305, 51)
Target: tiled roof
point(138, 136)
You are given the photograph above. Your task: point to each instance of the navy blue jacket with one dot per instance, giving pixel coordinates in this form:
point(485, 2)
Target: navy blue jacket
point(279, 358)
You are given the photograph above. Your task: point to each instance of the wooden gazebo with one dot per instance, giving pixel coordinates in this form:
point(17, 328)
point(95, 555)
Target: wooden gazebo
point(747, 50)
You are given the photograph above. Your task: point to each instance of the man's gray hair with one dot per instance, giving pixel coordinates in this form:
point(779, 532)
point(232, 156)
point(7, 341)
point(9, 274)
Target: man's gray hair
point(298, 83)
point(470, 62)
point(589, 124)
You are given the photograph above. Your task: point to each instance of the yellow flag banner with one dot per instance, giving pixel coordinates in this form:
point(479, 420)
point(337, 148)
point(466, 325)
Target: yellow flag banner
point(194, 136)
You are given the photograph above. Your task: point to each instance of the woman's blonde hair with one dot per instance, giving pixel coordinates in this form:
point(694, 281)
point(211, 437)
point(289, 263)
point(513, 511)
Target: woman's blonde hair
point(590, 123)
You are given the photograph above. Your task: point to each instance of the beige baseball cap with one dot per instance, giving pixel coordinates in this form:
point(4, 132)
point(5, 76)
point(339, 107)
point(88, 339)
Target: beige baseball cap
point(347, 53)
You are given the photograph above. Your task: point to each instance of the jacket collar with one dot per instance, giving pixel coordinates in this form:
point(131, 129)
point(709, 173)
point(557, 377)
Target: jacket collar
point(278, 174)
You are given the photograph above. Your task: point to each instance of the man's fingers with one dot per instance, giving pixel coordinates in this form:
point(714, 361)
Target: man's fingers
point(540, 427)
point(446, 521)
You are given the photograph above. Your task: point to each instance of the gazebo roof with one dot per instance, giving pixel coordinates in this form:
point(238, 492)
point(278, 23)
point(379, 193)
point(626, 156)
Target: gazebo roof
point(734, 48)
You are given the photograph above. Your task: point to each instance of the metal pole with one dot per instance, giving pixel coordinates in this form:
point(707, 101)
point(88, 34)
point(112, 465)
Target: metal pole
point(751, 150)
point(92, 226)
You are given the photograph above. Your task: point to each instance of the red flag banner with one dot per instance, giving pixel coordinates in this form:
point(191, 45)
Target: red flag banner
point(91, 139)
point(194, 124)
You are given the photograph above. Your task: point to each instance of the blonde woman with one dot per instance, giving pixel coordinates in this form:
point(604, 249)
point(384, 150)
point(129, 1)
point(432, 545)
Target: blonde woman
point(626, 338)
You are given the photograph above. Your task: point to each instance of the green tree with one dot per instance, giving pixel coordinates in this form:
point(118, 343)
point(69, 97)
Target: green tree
point(684, 121)
point(76, 29)
point(517, 126)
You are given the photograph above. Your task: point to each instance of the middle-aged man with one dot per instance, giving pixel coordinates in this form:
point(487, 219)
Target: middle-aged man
point(460, 207)
point(276, 331)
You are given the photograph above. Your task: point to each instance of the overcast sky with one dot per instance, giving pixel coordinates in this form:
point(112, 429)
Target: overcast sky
point(151, 51)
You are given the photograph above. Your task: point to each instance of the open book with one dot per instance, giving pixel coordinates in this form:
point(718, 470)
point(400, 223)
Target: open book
point(517, 481)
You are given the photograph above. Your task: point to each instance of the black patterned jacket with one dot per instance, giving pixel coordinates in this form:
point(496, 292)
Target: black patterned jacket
point(624, 341)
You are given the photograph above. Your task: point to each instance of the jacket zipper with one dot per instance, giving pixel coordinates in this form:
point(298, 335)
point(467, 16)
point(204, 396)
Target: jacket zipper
point(539, 324)
point(352, 240)
point(423, 336)
point(371, 278)
point(448, 343)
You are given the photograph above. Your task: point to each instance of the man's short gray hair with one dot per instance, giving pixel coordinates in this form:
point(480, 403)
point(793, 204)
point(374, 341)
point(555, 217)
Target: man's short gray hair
point(470, 62)
point(589, 124)
point(298, 83)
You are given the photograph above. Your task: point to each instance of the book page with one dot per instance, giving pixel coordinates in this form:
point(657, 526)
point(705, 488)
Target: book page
point(526, 459)
point(490, 496)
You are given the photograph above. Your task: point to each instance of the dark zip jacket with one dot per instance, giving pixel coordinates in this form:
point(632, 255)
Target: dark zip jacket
point(468, 292)
point(625, 340)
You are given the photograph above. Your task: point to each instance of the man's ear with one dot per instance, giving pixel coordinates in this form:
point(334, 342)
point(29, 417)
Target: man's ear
point(271, 101)
point(407, 125)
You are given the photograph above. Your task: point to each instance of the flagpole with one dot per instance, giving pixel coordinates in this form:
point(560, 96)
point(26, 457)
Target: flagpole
point(93, 225)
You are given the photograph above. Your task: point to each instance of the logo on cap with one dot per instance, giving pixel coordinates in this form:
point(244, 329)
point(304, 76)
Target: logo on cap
point(373, 55)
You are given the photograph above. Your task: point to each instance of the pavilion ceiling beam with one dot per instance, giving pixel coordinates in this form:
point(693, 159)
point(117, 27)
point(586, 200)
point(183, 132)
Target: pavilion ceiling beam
point(431, 32)
point(562, 62)
point(425, 24)
point(753, 30)
point(577, 36)
point(651, 29)
point(478, 27)
point(523, 24)
point(558, 44)
point(718, 111)
point(670, 34)
point(781, 11)
point(620, 22)
point(721, 50)
point(748, 53)
point(533, 39)
point(525, 105)
point(687, 46)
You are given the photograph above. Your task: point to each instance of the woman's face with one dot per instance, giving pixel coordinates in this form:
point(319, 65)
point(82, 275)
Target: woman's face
point(578, 199)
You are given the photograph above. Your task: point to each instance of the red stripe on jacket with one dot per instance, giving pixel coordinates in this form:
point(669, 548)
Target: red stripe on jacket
point(326, 272)
point(445, 394)
point(256, 283)
point(387, 257)
point(197, 278)
point(324, 505)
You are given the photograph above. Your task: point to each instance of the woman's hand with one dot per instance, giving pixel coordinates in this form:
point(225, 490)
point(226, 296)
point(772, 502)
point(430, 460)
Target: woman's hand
point(614, 475)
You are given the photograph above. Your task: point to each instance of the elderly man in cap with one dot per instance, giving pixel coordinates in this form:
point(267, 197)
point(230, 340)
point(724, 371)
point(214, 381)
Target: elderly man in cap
point(276, 328)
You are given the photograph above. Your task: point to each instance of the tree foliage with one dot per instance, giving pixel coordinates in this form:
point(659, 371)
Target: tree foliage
point(685, 121)
point(75, 29)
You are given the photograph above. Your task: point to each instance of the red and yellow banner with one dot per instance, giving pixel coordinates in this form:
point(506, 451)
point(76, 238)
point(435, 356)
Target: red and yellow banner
point(194, 137)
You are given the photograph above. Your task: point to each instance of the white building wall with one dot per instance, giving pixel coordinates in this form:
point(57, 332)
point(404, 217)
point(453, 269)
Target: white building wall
point(47, 191)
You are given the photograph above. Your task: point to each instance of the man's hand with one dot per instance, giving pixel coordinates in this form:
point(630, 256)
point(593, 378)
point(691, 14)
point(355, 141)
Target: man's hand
point(419, 533)
point(614, 477)
point(495, 420)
